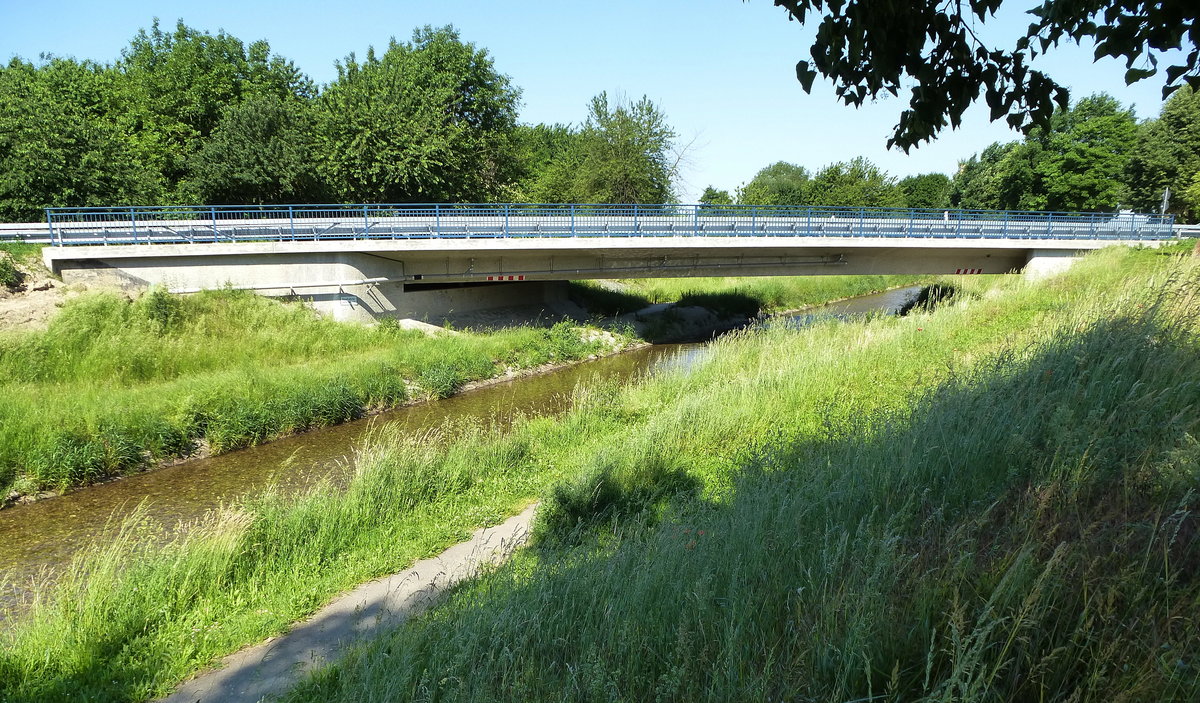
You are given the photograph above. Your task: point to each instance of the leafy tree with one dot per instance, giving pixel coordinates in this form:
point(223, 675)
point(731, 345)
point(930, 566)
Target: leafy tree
point(855, 183)
point(430, 121)
point(780, 184)
point(927, 191)
point(260, 152)
point(1167, 154)
point(715, 196)
point(59, 142)
point(625, 154)
point(1076, 164)
point(548, 162)
point(867, 47)
point(1083, 155)
point(176, 86)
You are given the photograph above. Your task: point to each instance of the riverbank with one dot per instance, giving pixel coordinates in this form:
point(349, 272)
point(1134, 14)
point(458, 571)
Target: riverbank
point(126, 624)
point(990, 502)
point(115, 386)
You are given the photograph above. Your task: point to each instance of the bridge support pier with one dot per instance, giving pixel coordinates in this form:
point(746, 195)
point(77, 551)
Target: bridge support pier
point(1047, 262)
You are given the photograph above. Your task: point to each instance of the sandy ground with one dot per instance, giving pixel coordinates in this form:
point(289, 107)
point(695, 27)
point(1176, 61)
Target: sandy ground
point(37, 299)
point(266, 670)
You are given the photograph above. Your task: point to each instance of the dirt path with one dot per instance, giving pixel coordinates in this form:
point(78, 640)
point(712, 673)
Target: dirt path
point(271, 668)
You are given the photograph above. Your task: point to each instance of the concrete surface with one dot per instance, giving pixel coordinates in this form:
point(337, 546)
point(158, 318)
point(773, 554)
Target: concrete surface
point(269, 669)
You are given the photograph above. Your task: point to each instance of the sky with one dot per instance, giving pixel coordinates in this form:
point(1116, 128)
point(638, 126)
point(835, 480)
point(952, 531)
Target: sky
point(723, 71)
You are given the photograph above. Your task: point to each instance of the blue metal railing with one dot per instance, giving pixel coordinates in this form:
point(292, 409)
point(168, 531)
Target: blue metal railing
point(272, 223)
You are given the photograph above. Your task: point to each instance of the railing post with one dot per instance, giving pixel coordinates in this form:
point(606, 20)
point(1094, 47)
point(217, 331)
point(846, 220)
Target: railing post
point(695, 220)
point(1005, 234)
point(572, 219)
point(1049, 225)
point(636, 226)
point(213, 211)
point(366, 224)
point(292, 221)
point(133, 221)
point(506, 209)
point(754, 221)
point(50, 227)
point(437, 220)
point(912, 215)
point(862, 213)
point(808, 226)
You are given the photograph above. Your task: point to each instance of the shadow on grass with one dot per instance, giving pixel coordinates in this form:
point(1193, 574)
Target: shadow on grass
point(1024, 532)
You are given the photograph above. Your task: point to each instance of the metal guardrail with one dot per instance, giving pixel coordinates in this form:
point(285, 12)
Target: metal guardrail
point(200, 224)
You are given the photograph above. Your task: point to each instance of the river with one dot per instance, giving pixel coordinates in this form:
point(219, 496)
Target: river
point(38, 538)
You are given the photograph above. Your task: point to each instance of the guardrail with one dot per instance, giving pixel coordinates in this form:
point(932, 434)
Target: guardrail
point(216, 223)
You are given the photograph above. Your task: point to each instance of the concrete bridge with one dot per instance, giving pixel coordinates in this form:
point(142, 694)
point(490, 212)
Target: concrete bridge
point(367, 261)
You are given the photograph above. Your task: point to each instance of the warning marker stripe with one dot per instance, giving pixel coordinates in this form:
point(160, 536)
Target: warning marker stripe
point(506, 278)
point(965, 271)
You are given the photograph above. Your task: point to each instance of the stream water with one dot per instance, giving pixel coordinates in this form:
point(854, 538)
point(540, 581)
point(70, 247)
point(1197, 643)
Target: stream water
point(39, 537)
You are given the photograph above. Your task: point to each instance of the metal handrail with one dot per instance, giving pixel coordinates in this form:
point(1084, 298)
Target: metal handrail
point(161, 224)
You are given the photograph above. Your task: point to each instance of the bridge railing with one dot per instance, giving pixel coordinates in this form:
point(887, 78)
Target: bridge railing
point(217, 223)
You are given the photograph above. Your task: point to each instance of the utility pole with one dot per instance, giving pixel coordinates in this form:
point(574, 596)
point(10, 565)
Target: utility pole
point(1166, 201)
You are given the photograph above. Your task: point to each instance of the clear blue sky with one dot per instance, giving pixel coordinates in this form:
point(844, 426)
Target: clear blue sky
point(721, 70)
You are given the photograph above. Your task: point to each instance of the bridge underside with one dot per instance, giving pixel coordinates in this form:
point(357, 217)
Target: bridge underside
point(370, 279)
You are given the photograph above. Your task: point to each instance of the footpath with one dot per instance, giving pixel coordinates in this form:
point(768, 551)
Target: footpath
point(271, 668)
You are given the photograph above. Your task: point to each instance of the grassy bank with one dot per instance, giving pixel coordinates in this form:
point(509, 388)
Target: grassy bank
point(115, 385)
point(776, 523)
point(992, 503)
point(768, 294)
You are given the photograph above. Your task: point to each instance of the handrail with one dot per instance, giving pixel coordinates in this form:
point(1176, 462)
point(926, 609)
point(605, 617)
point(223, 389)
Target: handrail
point(308, 222)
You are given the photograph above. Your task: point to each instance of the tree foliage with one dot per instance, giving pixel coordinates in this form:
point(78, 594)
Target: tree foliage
point(260, 152)
point(1167, 155)
point(780, 184)
point(60, 141)
point(1077, 164)
point(930, 191)
point(855, 183)
point(427, 121)
point(867, 48)
point(174, 87)
point(623, 153)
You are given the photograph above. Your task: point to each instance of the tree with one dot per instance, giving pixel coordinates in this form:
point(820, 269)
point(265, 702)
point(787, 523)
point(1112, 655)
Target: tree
point(626, 154)
point(1167, 155)
point(176, 85)
point(929, 191)
point(1078, 163)
point(716, 197)
point(428, 121)
point(855, 183)
point(59, 142)
point(260, 152)
point(867, 48)
point(781, 184)
point(1083, 155)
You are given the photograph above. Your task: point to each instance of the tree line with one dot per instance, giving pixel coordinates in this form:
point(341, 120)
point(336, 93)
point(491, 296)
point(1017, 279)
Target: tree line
point(1093, 157)
point(187, 116)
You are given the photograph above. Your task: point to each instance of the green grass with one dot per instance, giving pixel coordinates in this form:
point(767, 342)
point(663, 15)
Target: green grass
point(774, 293)
point(115, 385)
point(801, 516)
point(731, 296)
point(990, 503)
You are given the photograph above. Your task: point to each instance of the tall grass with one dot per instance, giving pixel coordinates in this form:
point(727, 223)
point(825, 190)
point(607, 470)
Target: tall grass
point(774, 293)
point(732, 532)
point(730, 295)
point(1023, 529)
point(114, 385)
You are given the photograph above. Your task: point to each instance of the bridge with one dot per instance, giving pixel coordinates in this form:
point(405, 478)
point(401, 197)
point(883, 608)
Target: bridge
point(365, 261)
